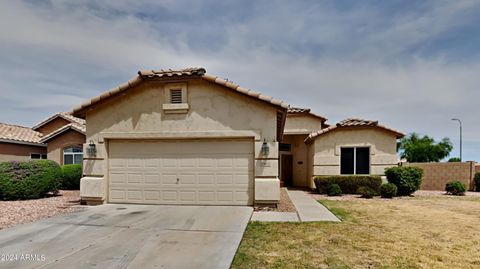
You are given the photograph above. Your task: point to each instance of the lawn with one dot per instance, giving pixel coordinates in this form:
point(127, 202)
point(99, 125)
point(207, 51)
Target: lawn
point(414, 232)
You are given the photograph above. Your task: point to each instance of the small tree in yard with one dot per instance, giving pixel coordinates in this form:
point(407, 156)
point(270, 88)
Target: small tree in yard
point(407, 179)
point(424, 149)
point(454, 160)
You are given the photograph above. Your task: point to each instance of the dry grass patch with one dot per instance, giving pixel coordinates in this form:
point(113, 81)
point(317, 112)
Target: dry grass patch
point(414, 232)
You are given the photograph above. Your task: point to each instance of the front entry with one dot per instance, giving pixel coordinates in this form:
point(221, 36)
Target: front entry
point(286, 174)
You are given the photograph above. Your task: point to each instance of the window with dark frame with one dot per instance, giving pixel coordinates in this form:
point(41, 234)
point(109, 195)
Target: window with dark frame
point(38, 156)
point(355, 161)
point(73, 155)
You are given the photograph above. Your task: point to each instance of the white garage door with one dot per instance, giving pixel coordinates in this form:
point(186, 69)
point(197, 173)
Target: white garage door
point(205, 172)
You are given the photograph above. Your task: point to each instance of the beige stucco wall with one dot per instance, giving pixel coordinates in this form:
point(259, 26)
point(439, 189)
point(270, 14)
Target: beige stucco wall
point(299, 159)
point(57, 144)
point(214, 111)
point(326, 150)
point(302, 124)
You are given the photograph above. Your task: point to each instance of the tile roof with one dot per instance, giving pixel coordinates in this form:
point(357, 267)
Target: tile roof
point(302, 111)
point(353, 122)
point(294, 110)
point(74, 126)
point(15, 133)
point(169, 73)
point(67, 116)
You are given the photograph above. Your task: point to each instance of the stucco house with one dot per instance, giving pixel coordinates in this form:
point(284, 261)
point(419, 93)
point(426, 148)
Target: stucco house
point(59, 138)
point(188, 137)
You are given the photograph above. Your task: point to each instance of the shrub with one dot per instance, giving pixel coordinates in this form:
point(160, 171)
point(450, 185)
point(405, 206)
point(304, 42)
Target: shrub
point(348, 184)
point(455, 188)
point(407, 179)
point(477, 182)
point(28, 180)
point(334, 190)
point(388, 190)
point(71, 175)
point(366, 192)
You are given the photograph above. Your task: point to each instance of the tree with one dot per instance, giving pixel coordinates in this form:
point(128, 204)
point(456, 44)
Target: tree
point(454, 160)
point(424, 149)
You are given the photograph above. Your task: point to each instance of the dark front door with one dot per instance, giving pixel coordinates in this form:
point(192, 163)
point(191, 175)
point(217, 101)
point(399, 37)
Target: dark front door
point(287, 173)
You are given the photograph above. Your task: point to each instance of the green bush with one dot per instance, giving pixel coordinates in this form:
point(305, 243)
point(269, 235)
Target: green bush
point(334, 190)
point(455, 188)
point(28, 180)
point(348, 184)
point(388, 190)
point(366, 192)
point(407, 179)
point(477, 182)
point(71, 175)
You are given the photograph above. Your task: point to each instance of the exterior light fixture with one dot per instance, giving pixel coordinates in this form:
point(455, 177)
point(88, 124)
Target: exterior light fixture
point(92, 149)
point(265, 148)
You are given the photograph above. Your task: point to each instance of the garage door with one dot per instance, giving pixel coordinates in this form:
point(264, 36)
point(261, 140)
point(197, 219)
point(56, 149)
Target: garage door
point(205, 172)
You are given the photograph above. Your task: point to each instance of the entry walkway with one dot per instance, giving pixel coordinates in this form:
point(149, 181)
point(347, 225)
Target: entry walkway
point(307, 210)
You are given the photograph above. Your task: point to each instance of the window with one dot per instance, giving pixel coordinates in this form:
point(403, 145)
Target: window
point(285, 147)
point(355, 161)
point(38, 156)
point(73, 155)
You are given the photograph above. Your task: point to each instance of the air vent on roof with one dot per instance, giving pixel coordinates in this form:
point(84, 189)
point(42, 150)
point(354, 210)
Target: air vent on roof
point(175, 96)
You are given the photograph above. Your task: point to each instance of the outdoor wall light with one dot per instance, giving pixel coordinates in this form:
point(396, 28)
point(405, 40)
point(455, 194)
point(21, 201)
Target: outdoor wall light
point(265, 148)
point(92, 148)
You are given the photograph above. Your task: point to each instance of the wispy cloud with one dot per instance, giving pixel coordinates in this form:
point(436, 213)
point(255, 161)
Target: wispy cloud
point(411, 65)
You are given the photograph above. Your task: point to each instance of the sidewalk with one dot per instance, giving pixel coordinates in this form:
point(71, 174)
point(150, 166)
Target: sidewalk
point(307, 210)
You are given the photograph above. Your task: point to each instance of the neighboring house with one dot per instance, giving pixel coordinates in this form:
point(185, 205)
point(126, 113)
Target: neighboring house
point(18, 143)
point(59, 138)
point(187, 137)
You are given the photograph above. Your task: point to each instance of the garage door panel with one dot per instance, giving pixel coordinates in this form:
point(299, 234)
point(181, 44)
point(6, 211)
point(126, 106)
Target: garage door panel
point(208, 172)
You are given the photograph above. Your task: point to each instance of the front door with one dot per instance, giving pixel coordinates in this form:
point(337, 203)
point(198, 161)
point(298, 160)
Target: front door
point(286, 173)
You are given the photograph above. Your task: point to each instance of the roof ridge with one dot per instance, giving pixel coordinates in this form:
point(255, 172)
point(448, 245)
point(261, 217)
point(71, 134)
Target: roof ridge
point(199, 72)
point(16, 125)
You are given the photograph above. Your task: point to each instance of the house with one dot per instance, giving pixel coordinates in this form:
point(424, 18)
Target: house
point(188, 137)
point(59, 138)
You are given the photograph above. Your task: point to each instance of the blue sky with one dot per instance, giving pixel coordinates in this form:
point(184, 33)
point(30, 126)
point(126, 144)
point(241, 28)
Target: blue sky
point(412, 65)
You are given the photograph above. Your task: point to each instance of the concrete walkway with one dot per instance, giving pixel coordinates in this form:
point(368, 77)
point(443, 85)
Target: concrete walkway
point(308, 209)
point(274, 216)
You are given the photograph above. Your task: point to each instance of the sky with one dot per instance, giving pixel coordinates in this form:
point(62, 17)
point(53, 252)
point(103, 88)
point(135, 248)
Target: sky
point(411, 65)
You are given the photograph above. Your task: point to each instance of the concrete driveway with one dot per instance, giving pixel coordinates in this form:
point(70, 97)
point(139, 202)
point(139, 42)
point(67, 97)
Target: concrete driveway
point(128, 236)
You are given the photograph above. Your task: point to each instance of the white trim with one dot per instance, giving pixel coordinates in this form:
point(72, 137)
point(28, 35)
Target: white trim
point(23, 143)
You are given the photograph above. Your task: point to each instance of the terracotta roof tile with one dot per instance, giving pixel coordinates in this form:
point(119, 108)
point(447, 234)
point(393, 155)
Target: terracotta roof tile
point(188, 72)
point(353, 122)
point(75, 126)
point(300, 111)
point(17, 133)
point(66, 116)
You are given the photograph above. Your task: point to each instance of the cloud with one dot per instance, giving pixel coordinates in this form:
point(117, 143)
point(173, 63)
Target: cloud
point(412, 66)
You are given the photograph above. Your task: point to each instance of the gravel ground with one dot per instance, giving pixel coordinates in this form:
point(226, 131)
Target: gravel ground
point(17, 212)
point(356, 196)
point(285, 204)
